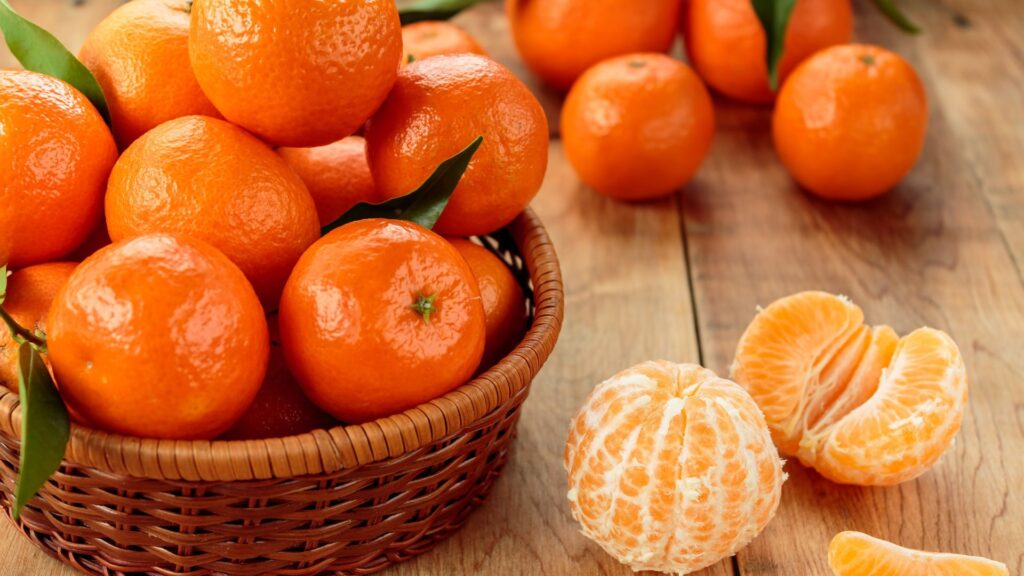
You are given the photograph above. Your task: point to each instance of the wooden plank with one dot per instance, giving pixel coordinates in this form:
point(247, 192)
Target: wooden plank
point(933, 252)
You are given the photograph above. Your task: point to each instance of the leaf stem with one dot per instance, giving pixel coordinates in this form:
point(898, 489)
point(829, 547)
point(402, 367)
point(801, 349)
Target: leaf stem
point(19, 333)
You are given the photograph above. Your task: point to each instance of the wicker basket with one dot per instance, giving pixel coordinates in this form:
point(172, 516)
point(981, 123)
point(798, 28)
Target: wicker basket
point(350, 500)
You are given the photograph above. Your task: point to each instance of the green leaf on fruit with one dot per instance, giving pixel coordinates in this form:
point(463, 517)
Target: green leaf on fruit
point(893, 13)
point(432, 10)
point(45, 426)
point(40, 51)
point(423, 205)
point(774, 16)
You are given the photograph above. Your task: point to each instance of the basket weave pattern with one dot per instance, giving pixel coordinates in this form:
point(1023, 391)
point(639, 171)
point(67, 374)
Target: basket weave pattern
point(350, 500)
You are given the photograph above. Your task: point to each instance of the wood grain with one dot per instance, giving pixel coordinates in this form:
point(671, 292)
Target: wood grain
point(946, 249)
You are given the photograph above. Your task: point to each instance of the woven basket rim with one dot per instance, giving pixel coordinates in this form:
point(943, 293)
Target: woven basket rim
point(345, 446)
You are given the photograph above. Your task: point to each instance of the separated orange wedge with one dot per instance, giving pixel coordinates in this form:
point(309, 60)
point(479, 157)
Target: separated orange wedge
point(859, 404)
point(857, 554)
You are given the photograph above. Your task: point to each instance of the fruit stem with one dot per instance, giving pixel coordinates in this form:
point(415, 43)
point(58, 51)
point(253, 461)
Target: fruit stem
point(424, 306)
point(19, 333)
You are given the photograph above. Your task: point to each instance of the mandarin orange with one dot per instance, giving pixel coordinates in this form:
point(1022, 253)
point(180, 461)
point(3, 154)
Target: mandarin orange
point(857, 554)
point(209, 179)
point(860, 405)
point(55, 156)
point(671, 468)
point(30, 291)
point(337, 175)
point(302, 73)
point(139, 55)
point(433, 38)
point(159, 336)
point(637, 127)
point(559, 39)
point(850, 122)
point(463, 96)
point(379, 316)
point(502, 296)
point(727, 44)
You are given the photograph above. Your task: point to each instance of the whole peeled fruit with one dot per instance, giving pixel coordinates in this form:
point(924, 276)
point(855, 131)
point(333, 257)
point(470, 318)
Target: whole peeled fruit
point(299, 73)
point(379, 316)
point(158, 337)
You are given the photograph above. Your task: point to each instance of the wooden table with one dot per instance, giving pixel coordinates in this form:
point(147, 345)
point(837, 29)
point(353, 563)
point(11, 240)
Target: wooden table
point(680, 279)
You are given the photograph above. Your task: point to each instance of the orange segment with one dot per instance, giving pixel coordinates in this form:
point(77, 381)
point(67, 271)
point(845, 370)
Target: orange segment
point(671, 468)
point(903, 429)
point(857, 554)
point(857, 403)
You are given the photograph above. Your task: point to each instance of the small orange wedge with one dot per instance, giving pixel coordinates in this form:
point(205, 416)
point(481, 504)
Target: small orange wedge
point(857, 554)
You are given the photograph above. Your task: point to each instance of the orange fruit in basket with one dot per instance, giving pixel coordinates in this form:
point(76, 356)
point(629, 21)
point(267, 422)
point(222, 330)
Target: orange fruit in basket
point(559, 39)
point(503, 299)
point(857, 554)
point(379, 316)
point(29, 294)
point(850, 122)
point(55, 155)
point(159, 337)
point(212, 180)
point(463, 96)
point(432, 38)
point(296, 73)
point(139, 55)
point(727, 44)
point(281, 408)
point(671, 468)
point(859, 404)
point(337, 175)
point(637, 127)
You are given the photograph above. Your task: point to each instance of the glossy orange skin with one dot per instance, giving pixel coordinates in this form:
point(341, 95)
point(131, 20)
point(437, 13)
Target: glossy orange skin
point(432, 38)
point(727, 45)
point(139, 55)
point(212, 180)
point(337, 175)
point(303, 73)
point(30, 291)
point(438, 107)
point(55, 155)
point(158, 337)
point(850, 122)
point(637, 127)
point(504, 303)
point(281, 408)
point(560, 39)
point(350, 334)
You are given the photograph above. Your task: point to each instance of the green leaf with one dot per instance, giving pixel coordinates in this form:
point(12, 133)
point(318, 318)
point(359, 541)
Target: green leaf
point(3, 283)
point(432, 10)
point(45, 426)
point(423, 205)
point(40, 51)
point(888, 7)
point(774, 16)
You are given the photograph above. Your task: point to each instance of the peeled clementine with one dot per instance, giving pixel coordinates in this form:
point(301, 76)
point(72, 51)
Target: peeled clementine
point(504, 303)
point(438, 107)
point(671, 468)
point(55, 156)
point(139, 55)
point(379, 316)
point(559, 39)
point(638, 126)
point(337, 175)
point(209, 179)
point(857, 554)
point(158, 337)
point(859, 404)
point(30, 291)
point(299, 73)
point(850, 122)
